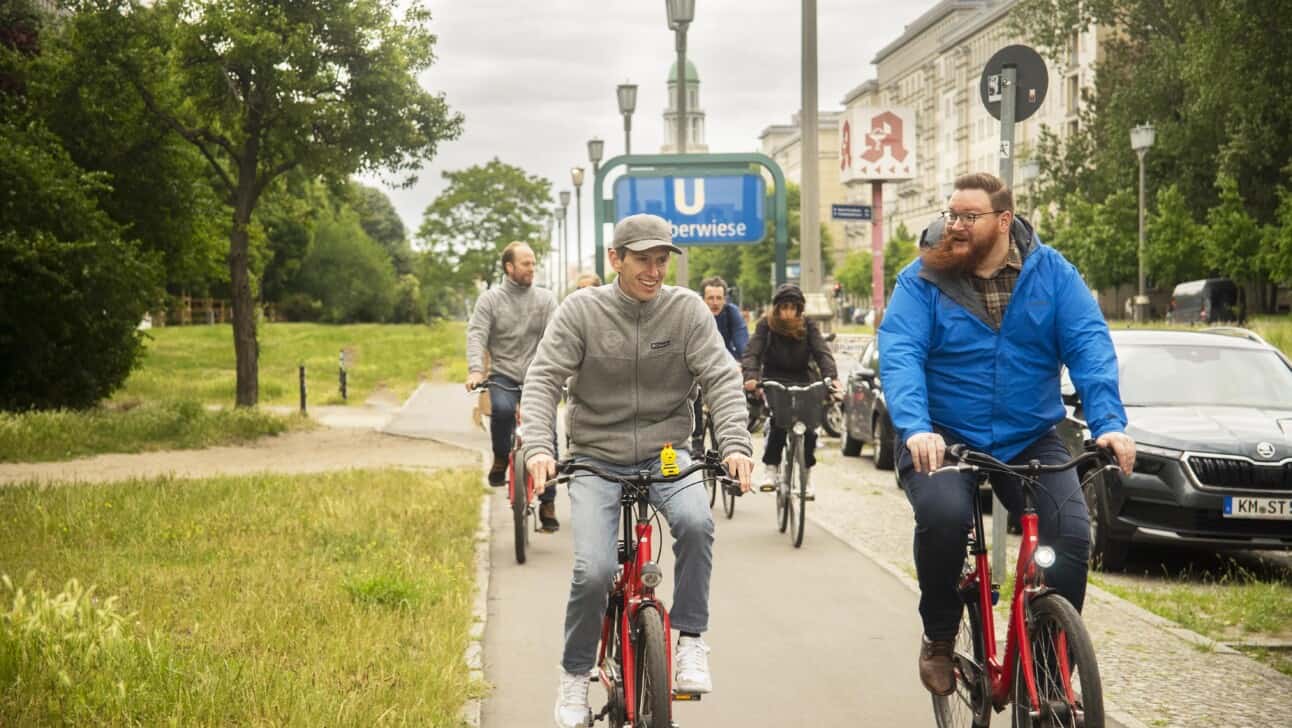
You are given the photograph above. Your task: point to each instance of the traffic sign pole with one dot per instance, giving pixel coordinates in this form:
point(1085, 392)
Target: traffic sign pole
point(877, 250)
point(1008, 83)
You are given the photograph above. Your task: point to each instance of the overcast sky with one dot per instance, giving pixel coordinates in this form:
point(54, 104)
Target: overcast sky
point(536, 80)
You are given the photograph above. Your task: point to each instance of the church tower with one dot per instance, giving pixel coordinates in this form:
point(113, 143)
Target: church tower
point(695, 143)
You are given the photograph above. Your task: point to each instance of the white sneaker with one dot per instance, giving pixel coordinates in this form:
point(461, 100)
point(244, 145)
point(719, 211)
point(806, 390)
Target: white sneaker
point(763, 478)
point(572, 707)
point(809, 493)
point(691, 674)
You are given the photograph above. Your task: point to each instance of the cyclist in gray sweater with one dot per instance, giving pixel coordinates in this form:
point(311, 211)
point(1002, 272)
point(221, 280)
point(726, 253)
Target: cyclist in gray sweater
point(508, 321)
point(636, 349)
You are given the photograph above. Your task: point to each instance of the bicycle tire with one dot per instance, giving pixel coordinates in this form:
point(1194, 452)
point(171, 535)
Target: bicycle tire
point(970, 704)
point(1052, 617)
point(799, 491)
point(782, 493)
point(654, 698)
point(519, 506)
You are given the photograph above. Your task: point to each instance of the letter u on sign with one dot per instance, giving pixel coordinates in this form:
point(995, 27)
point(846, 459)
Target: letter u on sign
point(679, 196)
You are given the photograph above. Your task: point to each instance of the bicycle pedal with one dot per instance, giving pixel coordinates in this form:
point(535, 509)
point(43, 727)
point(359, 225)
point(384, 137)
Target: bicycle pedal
point(687, 697)
point(766, 489)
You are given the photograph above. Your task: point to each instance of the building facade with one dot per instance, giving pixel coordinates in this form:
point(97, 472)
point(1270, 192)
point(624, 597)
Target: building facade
point(784, 144)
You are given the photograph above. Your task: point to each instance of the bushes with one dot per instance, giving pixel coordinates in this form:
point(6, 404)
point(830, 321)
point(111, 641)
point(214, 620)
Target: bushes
point(73, 289)
point(348, 273)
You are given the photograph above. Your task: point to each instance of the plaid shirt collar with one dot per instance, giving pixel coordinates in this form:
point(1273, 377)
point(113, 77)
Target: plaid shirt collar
point(997, 288)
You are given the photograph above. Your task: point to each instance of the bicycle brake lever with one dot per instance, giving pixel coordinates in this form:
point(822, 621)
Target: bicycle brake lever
point(956, 468)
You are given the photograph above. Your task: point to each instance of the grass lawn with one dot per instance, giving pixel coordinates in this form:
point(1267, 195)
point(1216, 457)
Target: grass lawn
point(185, 368)
point(197, 362)
point(340, 599)
point(1277, 330)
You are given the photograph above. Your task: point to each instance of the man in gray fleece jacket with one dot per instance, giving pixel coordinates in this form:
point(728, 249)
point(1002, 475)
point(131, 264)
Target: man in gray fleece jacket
point(508, 321)
point(635, 349)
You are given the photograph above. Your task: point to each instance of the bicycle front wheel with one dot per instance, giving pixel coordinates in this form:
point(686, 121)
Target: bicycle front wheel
point(798, 494)
point(1068, 690)
point(654, 699)
point(785, 472)
point(970, 705)
point(519, 509)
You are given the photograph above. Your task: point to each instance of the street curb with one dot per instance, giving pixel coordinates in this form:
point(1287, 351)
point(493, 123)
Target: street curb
point(472, 712)
point(1112, 711)
point(400, 411)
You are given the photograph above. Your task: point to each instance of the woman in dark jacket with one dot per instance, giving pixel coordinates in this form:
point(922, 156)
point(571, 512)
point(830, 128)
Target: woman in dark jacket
point(782, 347)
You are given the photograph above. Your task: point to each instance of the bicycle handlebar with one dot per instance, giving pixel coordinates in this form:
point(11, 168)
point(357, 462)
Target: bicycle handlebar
point(486, 384)
point(566, 469)
point(972, 460)
point(794, 387)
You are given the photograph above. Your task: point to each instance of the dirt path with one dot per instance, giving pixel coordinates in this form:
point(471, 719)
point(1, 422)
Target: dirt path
point(297, 452)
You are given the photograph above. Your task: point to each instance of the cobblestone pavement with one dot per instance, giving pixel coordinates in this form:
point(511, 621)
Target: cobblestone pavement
point(1154, 672)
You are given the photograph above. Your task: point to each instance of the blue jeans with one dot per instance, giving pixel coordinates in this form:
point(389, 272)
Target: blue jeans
point(595, 512)
point(502, 425)
point(944, 516)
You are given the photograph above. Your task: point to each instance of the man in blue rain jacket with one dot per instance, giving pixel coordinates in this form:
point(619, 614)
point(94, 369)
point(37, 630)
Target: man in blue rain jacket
point(971, 350)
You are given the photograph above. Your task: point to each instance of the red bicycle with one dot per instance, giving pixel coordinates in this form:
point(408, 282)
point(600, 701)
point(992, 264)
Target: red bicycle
point(635, 659)
point(520, 491)
point(1049, 672)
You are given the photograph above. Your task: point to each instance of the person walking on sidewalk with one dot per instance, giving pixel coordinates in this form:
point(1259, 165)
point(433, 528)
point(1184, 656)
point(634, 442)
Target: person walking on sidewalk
point(784, 345)
point(508, 321)
point(971, 348)
point(635, 349)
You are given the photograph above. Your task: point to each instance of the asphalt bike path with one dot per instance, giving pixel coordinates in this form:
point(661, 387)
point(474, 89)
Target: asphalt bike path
point(817, 636)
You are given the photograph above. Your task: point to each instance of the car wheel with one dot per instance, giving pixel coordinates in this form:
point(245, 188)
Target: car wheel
point(832, 423)
point(882, 443)
point(1108, 552)
point(851, 445)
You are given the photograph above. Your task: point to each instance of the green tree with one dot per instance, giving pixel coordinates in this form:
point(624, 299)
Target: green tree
point(74, 288)
point(1174, 241)
point(1098, 237)
point(261, 89)
point(1278, 241)
point(480, 211)
point(1215, 103)
point(899, 251)
point(756, 260)
point(379, 219)
point(1233, 242)
point(855, 274)
point(347, 272)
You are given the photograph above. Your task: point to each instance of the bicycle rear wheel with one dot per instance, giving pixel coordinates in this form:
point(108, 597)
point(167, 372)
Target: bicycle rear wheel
point(654, 699)
point(786, 473)
point(798, 494)
point(518, 486)
point(1069, 692)
point(970, 705)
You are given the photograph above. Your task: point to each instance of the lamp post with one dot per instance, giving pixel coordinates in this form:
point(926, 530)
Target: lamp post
point(565, 239)
point(596, 148)
point(627, 95)
point(1142, 138)
point(810, 184)
point(576, 175)
point(680, 15)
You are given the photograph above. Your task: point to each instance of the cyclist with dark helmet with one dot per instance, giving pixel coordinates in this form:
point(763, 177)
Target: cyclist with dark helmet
point(784, 345)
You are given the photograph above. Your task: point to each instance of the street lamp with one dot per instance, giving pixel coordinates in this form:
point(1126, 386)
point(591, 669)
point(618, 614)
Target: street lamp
point(680, 15)
point(576, 175)
point(565, 239)
point(627, 94)
point(1142, 138)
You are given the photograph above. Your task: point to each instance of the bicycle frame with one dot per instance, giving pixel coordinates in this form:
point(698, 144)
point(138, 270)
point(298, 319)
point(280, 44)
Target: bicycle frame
point(1028, 582)
point(628, 595)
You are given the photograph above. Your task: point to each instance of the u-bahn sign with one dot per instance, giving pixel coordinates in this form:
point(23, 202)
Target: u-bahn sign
point(710, 209)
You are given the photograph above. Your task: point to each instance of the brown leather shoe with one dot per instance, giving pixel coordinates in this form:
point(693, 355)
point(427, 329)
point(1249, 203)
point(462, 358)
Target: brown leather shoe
point(547, 518)
point(937, 672)
point(498, 473)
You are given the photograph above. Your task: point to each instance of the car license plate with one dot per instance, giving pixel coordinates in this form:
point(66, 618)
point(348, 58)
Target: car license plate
point(1270, 508)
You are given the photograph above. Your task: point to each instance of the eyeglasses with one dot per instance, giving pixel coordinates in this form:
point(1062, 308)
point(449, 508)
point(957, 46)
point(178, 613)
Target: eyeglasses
point(969, 218)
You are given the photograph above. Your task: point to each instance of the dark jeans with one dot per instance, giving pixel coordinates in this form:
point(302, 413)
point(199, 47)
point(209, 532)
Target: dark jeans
point(944, 517)
point(502, 425)
point(776, 437)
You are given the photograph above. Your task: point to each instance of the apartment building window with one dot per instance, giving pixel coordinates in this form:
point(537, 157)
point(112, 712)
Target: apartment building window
point(1073, 93)
point(1074, 42)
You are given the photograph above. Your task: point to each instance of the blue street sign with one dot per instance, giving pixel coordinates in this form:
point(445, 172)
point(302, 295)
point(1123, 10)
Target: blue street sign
point(850, 212)
point(717, 209)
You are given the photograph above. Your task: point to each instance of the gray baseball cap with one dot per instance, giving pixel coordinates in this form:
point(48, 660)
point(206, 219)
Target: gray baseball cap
point(643, 232)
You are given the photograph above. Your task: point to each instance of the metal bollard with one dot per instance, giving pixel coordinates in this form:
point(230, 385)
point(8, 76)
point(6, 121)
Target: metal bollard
point(302, 368)
point(341, 374)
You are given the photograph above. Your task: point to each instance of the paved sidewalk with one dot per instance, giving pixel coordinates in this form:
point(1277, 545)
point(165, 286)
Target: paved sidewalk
point(1158, 673)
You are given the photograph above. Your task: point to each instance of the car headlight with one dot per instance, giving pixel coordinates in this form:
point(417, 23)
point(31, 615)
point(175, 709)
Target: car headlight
point(1161, 452)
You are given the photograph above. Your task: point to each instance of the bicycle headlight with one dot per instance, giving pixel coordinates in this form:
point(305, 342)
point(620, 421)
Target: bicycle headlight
point(652, 575)
point(1044, 557)
point(799, 428)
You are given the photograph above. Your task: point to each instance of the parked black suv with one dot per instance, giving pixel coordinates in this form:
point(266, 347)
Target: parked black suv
point(1211, 413)
point(865, 412)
